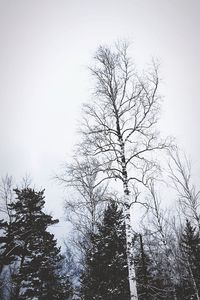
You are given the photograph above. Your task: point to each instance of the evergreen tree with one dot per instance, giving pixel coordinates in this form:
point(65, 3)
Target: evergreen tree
point(153, 282)
point(106, 273)
point(144, 276)
point(3, 243)
point(3, 262)
point(190, 248)
point(8, 246)
point(37, 276)
point(8, 255)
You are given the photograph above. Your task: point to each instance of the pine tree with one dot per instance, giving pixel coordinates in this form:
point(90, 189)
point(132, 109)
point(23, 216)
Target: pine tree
point(153, 280)
point(8, 255)
point(37, 275)
point(190, 248)
point(143, 266)
point(106, 273)
point(3, 261)
point(3, 244)
point(8, 246)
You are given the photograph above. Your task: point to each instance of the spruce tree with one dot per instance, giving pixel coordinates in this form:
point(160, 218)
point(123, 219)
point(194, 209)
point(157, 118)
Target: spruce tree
point(3, 244)
point(143, 264)
point(190, 248)
point(8, 246)
point(3, 260)
point(106, 273)
point(152, 279)
point(37, 276)
point(8, 255)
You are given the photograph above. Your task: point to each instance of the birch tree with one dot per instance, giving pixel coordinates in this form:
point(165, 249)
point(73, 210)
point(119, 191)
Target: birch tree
point(164, 237)
point(188, 194)
point(118, 128)
point(82, 210)
point(84, 206)
point(6, 197)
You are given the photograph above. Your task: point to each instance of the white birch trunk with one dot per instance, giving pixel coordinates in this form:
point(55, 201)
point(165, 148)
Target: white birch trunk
point(129, 232)
point(129, 251)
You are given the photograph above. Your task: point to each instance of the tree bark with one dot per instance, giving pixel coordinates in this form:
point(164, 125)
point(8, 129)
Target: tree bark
point(127, 213)
point(129, 251)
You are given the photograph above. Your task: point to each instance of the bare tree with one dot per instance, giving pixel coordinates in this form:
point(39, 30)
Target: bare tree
point(6, 197)
point(164, 235)
point(85, 204)
point(7, 194)
point(83, 177)
point(119, 128)
point(189, 196)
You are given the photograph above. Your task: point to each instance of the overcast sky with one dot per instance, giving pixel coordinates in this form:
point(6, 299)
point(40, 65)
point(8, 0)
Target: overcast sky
point(45, 49)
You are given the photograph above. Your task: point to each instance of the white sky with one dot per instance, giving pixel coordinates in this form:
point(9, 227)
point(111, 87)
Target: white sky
point(45, 49)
